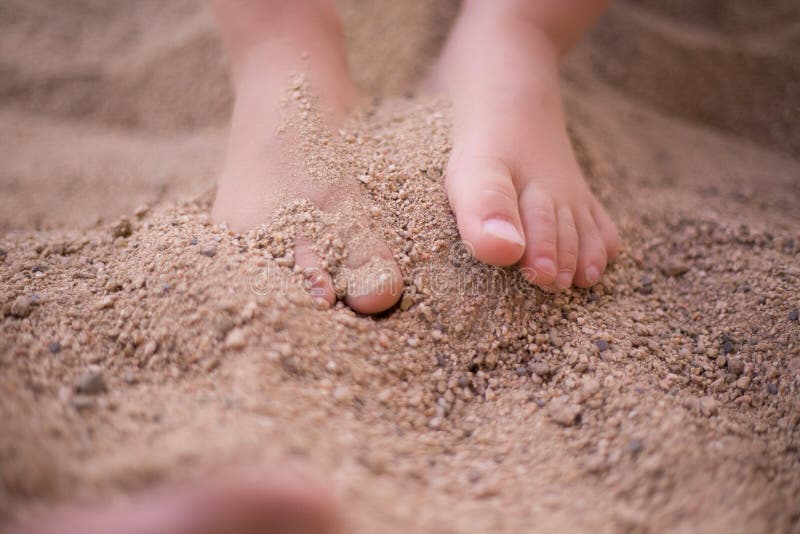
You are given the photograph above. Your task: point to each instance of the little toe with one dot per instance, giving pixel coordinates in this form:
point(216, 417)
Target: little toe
point(484, 200)
point(317, 279)
point(591, 250)
point(567, 248)
point(373, 280)
point(539, 219)
point(608, 231)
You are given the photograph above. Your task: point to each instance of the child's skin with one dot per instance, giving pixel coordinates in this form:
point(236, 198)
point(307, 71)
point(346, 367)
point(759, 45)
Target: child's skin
point(512, 180)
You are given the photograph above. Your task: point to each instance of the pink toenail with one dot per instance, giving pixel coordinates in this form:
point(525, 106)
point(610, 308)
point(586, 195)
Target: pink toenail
point(564, 279)
point(504, 230)
point(592, 275)
point(545, 266)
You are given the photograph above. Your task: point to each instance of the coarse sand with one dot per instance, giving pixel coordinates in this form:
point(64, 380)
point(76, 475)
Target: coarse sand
point(139, 343)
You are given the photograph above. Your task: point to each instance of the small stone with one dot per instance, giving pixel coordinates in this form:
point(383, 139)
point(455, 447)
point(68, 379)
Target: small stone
point(601, 344)
point(21, 307)
point(743, 382)
point(235, 339)
point(635, 446)
point(772, 388)
point(406, 302)
point(91, 383)
point(555, 339)
point(82, 402)
point(209, 251)
point(55, 347)
point(708, 406)
point(122, 228)
point(675, 267)
point(565, 414)
point(540, 369)
point(794, 315)
point(736, 365)
point(150, 348)
point(646, 286)
point(105, 303)
point(342, 394)
point(141, 211)
point(210, 364)
point(727, 345)
point(412, 341)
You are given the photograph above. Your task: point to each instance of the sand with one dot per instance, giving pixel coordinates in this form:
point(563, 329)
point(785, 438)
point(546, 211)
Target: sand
point(141, 344)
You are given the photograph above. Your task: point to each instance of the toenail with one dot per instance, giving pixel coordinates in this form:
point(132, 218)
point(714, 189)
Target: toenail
point(545, 265)
point(504, 230)
point(564, 279)
point(592, 275)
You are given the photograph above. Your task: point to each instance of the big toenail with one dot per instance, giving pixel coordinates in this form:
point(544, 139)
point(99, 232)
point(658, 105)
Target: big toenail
point(504, 230)
point(592, 275)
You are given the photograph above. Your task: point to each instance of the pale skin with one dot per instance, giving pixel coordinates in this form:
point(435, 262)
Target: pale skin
point(513, 182)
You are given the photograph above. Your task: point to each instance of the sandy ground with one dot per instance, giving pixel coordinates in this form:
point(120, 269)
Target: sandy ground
point(139, 343)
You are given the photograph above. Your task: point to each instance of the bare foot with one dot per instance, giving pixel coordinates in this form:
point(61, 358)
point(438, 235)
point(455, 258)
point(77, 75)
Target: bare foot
point(277, 504)
point(513, 180)
point(269, 43)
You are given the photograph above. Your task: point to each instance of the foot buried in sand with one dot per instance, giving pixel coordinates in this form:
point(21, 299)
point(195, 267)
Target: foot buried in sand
point(284, 154)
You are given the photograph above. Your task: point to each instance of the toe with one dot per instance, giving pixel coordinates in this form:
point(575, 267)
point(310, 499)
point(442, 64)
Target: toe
point(567, 248)
point(539, 220)
point(484, 200)
point(608, 231)
point(591, 249)
point(317, 280)
point(372, 279)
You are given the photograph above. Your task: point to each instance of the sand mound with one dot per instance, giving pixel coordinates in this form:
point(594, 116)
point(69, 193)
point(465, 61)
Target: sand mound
point(152, 345)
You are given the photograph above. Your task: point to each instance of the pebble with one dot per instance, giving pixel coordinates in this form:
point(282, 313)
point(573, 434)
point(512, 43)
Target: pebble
point(21, 307)
point(406, 302)
point(209, 251)
point(675, 268)
point(555, 339)
point(235, 339)
point(540, 369)
point(91, 383)
point(601, 344)
point(794, 315)
point(772, 388)
point(727, 345)
point(646, 286)
point(565, 414)
point(150, 348)
point(736, 365)
point(708, 406)
point(743, 382)
point(55, 347)
point(122, 228)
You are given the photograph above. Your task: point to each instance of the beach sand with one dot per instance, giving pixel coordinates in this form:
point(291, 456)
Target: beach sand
point(140, 344)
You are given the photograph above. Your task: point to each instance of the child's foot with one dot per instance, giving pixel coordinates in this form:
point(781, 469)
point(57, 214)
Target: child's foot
point(513, 180)
point(270, 42)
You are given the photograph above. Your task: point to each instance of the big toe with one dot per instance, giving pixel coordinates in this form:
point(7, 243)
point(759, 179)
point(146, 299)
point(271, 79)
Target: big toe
point(484, 201)
point(372, 280)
